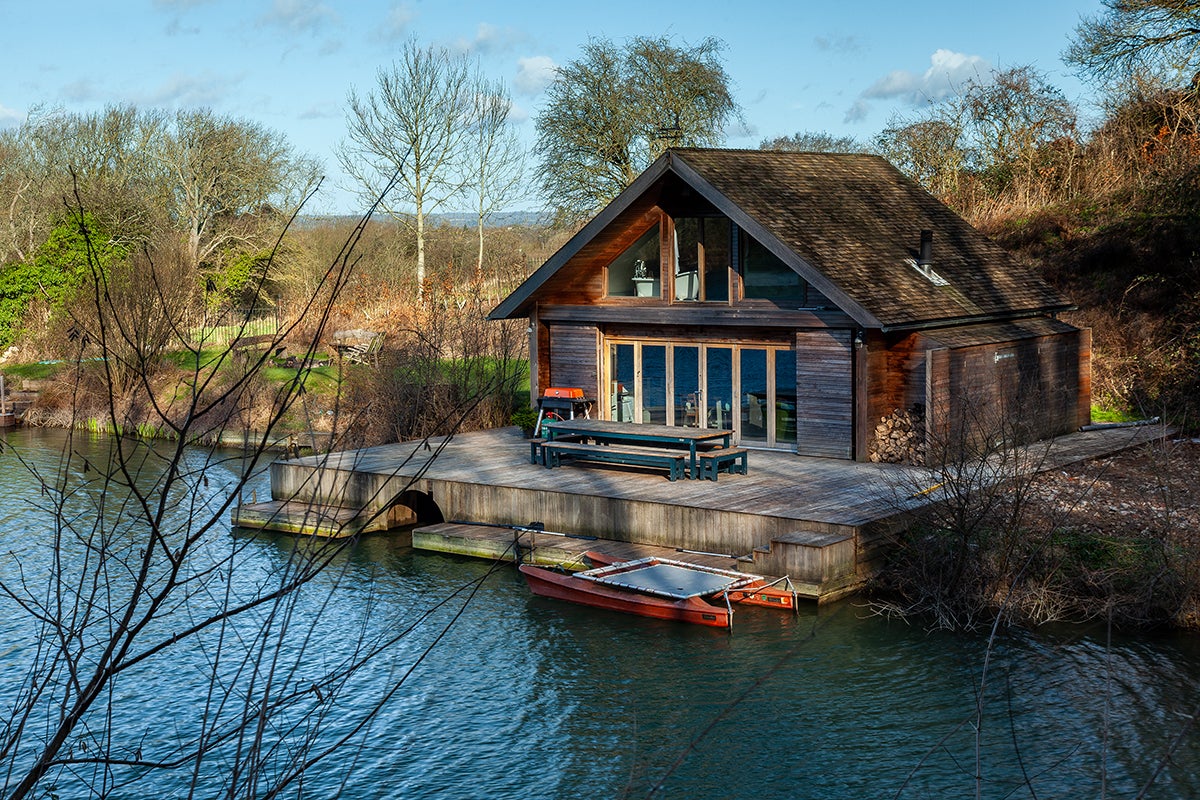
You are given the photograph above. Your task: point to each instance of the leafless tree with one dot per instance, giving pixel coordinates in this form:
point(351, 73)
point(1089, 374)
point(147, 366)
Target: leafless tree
point(139, 577)
point(1149, 38)
point(815, 142)
point(219, 175)
point(495, 156)
point(416, 122)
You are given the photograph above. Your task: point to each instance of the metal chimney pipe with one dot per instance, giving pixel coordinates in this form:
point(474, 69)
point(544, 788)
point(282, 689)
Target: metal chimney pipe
point(926, 249)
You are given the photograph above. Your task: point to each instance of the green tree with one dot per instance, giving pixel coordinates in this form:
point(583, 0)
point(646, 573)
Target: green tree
point(616, 108)
point(56, 272)
point(1148, 37)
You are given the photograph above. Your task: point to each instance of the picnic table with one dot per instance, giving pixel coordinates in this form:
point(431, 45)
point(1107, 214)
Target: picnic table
point(671, 437)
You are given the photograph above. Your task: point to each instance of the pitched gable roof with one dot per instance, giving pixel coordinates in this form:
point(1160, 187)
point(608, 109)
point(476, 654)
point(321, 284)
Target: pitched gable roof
point(850, 225)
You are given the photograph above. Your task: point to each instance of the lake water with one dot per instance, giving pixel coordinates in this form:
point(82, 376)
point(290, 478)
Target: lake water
point(502, 695)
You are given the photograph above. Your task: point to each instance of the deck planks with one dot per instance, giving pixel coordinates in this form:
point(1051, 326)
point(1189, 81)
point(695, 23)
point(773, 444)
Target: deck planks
point(486, 477)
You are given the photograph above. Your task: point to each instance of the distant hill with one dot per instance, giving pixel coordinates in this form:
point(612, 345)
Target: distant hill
point(461, 219)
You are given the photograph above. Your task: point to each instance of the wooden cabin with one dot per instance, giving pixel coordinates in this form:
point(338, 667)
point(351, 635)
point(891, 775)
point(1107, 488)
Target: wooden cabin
point(811, 302)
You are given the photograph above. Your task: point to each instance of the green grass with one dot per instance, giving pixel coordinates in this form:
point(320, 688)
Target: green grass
point(34, 371)
point(1112, 415)
point(321, 381)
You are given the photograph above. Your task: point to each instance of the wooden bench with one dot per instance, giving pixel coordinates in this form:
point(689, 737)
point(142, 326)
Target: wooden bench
point(727, 459)
point(538, 456)
point(555, 452)
point(365, 352)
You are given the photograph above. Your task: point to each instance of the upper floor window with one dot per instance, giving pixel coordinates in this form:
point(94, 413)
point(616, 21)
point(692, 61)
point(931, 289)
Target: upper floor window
point(636, 272)
point(703, 256)
point(764, 276)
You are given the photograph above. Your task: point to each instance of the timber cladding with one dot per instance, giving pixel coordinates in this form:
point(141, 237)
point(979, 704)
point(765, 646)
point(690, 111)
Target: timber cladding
point(1028, 388)
point(824, 393)
point(575, 357)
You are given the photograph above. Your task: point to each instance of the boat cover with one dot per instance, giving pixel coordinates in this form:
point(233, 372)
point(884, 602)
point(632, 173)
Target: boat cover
point(666, 578)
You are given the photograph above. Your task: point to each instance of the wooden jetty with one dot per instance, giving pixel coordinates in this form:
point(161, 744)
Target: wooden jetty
point(824, 522)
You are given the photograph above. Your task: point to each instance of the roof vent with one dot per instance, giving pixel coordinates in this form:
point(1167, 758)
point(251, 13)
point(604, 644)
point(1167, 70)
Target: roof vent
point(924, 264)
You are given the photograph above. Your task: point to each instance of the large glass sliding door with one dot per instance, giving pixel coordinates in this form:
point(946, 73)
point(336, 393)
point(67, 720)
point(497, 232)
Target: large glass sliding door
point(754, 395)
point(654, 384)
point(749, 389)
point(621, 382)
point(718, 387)
point(686, 388)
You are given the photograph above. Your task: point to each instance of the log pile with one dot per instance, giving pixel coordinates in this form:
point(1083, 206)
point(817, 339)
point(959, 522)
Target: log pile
point(900, 437)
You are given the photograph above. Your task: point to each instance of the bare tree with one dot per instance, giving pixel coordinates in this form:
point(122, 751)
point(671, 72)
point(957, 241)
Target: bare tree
point(140, 581)
point(1150, 38)
point(105, 155)
point(415, 123)
point(1015, 117)
point(495, 157)
point(814, 142)
point(220, 174)
point(929, 150)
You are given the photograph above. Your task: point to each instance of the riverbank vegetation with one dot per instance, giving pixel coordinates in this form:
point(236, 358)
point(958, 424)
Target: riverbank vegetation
point(1110, 216)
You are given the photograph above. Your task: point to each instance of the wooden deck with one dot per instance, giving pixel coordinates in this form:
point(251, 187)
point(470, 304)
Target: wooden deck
point(822, 521)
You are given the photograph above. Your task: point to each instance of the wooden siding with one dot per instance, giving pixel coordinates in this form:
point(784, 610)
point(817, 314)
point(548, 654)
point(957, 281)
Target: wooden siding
point(582, 278)
point(683, 334)
point(824, 393)
point(1083, 412)
point(896, 373)
point(1027, 389)
point(575, 357)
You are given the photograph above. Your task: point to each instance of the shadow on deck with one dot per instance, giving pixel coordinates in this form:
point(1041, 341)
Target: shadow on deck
point(824, 522)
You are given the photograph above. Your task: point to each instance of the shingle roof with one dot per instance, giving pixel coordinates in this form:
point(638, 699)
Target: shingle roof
point(851, 225)
point(857, 221)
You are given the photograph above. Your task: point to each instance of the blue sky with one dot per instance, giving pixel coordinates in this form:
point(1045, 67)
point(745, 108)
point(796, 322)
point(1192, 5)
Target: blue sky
point(845, 68)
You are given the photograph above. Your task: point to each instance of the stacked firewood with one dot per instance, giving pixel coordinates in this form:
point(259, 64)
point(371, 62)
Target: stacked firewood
point(900, 437)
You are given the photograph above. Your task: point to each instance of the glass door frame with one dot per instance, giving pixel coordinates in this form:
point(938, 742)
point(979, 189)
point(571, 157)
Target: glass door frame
point(771, 348)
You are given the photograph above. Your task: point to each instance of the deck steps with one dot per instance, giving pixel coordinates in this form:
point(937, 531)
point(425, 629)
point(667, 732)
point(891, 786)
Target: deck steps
point(332, 522)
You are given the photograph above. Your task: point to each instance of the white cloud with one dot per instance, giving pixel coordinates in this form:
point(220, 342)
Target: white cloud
point(322, 111)
point(837, 44)
point(534, 74)
point(301, 16)
point(80, 91)
point(490, 39)
point(517, 114)
point(947, 73)
point(9, 117)
point(179, 5)
point(189, 91)
point(396, 25)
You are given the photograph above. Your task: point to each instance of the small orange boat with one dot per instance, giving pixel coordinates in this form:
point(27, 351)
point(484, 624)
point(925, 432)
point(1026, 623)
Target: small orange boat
point(659, 588)
point(577, 589)
point(757, 592)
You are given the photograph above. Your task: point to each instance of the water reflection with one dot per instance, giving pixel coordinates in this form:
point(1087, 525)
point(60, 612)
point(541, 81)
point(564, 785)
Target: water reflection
point(522, 697)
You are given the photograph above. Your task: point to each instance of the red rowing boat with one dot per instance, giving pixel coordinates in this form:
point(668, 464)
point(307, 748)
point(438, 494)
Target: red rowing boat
point(577, 589)
point(757, 591)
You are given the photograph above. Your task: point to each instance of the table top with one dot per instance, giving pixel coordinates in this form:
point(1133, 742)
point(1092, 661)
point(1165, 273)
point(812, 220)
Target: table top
point(629, 430)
